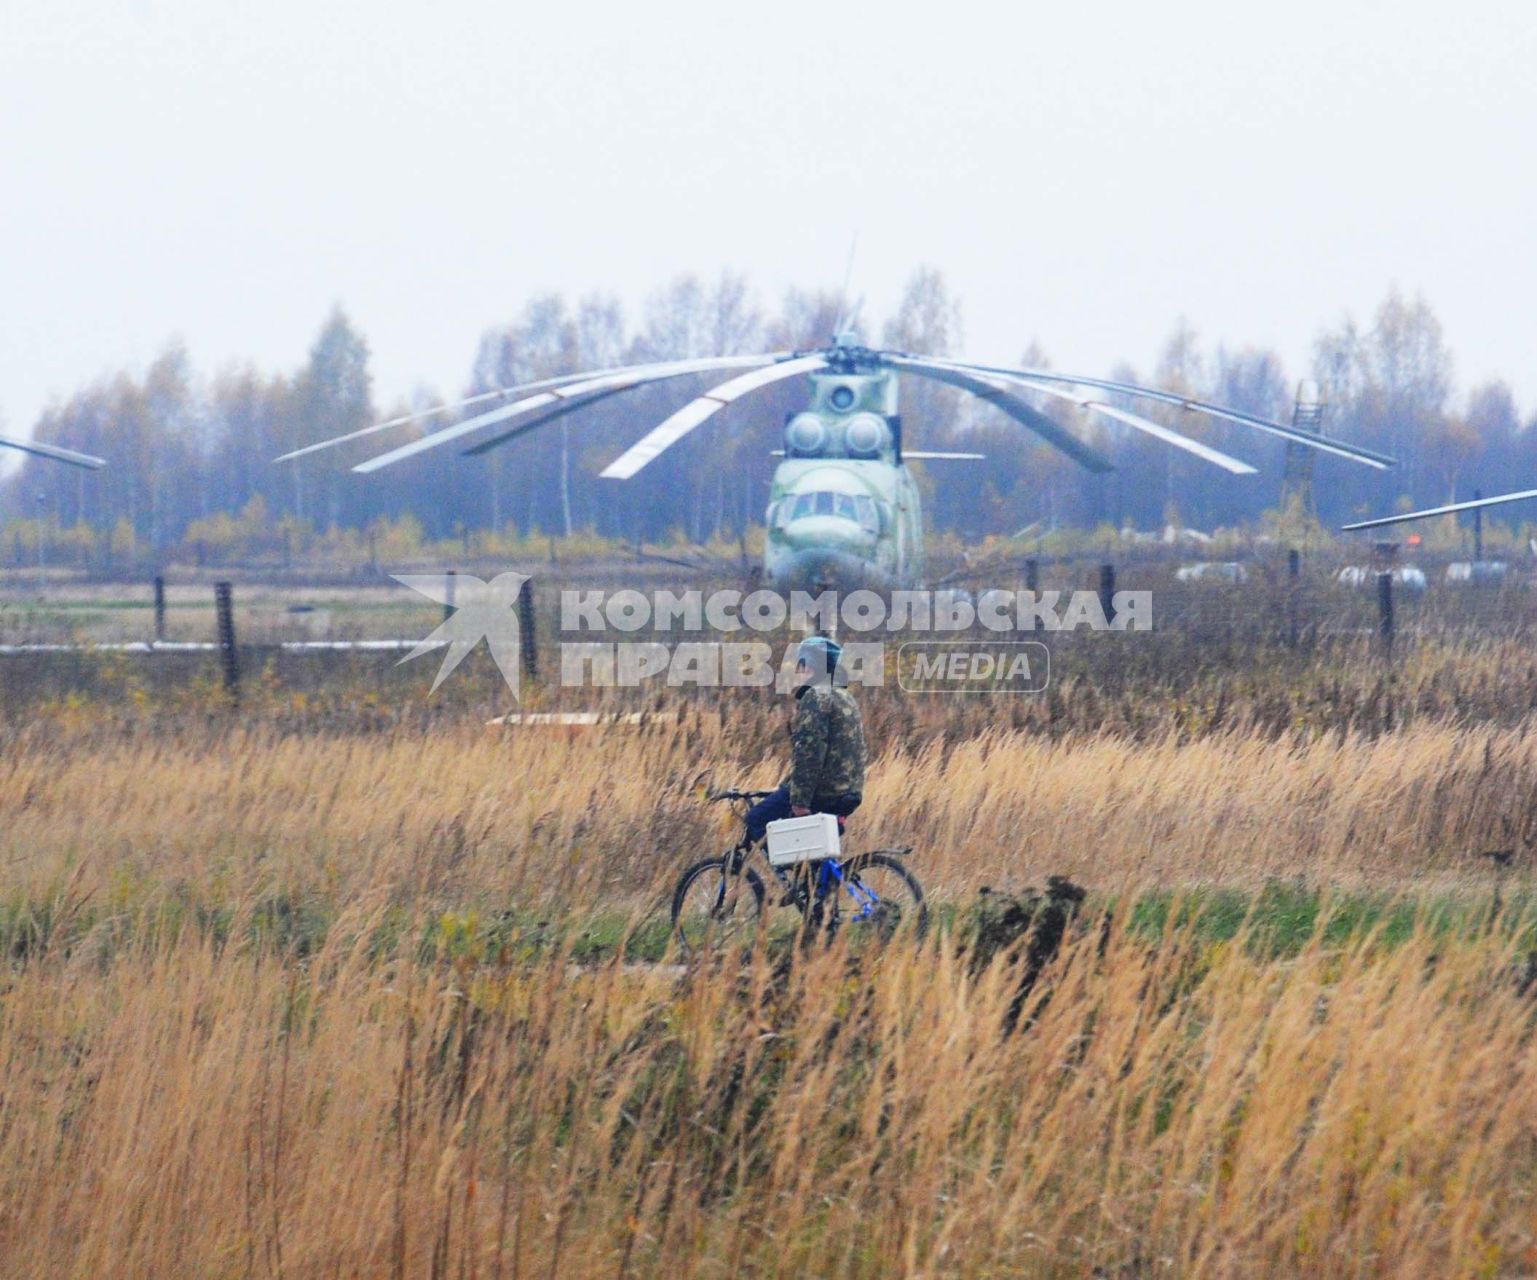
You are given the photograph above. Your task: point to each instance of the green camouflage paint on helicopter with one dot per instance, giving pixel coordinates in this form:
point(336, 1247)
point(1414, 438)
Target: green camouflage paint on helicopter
point(843, 507)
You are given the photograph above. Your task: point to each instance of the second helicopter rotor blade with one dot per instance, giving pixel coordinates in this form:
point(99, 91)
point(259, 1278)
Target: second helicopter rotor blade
point(1475, 504)
point(54, 452)
point(500, 393)
point(1355, 453)
point(540, 418)
point(1168, 435)
point(617, 380)
point(998, 393)
point(701, 408)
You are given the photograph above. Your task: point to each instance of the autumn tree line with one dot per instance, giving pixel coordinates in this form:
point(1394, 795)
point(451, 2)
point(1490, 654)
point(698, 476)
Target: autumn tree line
point(191, 455)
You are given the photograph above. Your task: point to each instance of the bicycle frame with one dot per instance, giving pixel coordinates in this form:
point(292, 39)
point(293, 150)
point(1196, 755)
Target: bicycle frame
point(813, 888)
point(830, 872)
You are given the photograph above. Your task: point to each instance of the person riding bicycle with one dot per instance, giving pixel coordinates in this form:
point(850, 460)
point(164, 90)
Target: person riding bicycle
point(827, 745)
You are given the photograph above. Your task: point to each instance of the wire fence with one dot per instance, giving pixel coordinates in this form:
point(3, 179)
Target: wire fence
point(1201, 614)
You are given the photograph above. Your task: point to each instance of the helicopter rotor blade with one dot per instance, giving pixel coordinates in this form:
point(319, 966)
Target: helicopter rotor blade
point(499, 393)
point(1477, 504)
point(1355, 453)
point(700, 409)
point(616, 380)
point(58, 453)
point(999, 394)
point(1156, 429)
point(540, 418)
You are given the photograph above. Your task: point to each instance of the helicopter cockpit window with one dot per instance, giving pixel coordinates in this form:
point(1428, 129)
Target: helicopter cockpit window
point(845, 506)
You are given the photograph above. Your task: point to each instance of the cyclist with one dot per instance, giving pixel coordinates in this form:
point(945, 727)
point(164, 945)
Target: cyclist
point(827, 744)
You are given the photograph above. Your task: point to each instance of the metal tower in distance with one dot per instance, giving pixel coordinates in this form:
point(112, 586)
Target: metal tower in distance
point(1297, 482)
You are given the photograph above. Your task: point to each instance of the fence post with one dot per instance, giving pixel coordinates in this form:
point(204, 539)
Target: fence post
point(448, 595)
point(1385, 612)
point(1107, 591)
point(1033, 586)
point(527, 641)
point(159, 608)
point(1478, 528)
point(1293, 573)
point(224, 606)
point(42, 541)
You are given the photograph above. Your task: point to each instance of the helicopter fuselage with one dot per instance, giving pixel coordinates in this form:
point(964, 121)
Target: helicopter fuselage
point(843, 507)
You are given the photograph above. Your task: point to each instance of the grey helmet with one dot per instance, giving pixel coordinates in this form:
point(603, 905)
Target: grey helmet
point(820, 654)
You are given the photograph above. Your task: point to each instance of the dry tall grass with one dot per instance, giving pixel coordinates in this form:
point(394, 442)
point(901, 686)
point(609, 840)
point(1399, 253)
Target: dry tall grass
point(278, 1004)
point(539, 817)
point(1172, 1109)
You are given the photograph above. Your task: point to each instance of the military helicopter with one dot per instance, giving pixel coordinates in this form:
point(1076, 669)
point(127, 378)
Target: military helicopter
point(843, 506)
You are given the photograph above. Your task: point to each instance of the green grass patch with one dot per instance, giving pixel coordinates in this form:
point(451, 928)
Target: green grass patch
point(1280, 919)
point(1275, 922)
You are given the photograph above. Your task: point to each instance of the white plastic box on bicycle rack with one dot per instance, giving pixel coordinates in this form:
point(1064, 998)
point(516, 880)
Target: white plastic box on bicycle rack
point(792, 840)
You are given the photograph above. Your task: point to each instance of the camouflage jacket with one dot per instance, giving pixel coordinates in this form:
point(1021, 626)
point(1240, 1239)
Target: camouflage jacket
point(827, 746)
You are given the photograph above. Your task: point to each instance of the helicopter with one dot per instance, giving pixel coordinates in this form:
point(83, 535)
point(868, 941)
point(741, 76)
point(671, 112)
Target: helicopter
point(843, 505)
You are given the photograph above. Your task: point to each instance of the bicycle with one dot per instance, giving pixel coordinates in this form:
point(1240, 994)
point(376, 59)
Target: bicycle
point(722, 898)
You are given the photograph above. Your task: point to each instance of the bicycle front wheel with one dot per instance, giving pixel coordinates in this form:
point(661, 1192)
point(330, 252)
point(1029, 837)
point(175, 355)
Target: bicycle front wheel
point(880, 898)
point(714, 907)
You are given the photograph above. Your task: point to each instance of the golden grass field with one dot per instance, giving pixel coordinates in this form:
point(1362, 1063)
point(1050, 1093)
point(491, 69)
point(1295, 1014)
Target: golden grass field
point(324, 987)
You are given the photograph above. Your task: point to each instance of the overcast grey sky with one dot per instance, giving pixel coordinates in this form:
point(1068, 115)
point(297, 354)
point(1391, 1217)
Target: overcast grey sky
point(1082, 173)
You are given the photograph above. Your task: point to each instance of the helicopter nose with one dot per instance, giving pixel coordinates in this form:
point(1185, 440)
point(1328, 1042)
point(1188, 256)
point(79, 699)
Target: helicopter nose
point(829, 531)
point(819, 568)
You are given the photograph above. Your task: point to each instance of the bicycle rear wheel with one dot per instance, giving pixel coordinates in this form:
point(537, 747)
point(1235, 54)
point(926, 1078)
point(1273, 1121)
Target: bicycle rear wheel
point(713, 908)
point(879, 898)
